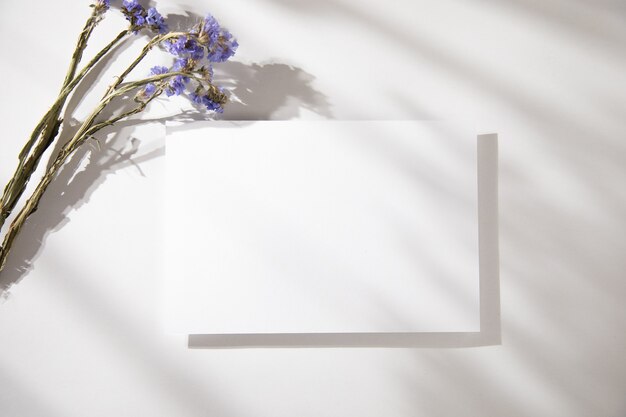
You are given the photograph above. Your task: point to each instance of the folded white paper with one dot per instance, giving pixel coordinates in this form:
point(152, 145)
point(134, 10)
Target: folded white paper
point(321, 227)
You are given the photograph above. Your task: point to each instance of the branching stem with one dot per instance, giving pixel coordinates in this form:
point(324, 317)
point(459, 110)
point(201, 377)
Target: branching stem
point(48, 127)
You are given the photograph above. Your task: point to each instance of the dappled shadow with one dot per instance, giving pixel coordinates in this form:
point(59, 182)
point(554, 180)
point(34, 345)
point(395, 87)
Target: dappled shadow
point(271, 91)
point(562, 222)
point(562, 216)
point(562, 234)
point(70, 190)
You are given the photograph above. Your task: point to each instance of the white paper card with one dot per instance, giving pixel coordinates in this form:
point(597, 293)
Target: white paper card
point(321, 227)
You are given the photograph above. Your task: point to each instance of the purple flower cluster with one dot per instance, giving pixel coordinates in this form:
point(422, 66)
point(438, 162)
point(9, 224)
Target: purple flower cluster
point(224, 48)
point(196, 52)
point(158, 70)
point(206, 101)
point(175, 87)
point(140, 18)
point(206, 44)
point(150, 89)
point(220, 42)
point(134, 13)
point(156, 21)
point(207, 40)
point(209, 30)
point(183, 64)
point(185, 47)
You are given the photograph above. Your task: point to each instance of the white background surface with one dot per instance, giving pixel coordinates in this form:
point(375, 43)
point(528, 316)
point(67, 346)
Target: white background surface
point(80, 334)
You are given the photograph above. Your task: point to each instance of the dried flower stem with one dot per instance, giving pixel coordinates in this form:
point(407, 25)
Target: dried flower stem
point(29, 158)
point(86, 130)
point(71, 72)
point(191, 47)
point(153, 42)
point(50, 123)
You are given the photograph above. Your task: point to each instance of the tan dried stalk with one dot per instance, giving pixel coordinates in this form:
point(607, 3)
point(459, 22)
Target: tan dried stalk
point(47, 129)
point(87, 129)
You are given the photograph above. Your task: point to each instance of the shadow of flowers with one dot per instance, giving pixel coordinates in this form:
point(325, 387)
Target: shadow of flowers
point(270, 91)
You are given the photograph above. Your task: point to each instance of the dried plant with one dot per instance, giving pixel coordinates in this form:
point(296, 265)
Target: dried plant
point(195, 51)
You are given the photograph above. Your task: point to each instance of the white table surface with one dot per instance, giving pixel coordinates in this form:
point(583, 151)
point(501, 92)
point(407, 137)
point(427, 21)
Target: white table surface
point(80, 331)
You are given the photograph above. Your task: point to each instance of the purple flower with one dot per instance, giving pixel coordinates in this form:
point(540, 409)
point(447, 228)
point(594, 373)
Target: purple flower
point(185, 47)
point(195, 52)
point(208, 36)
point(134, 13)
point(149, 90)
point(219, 42)
point(224, 48)
point(181, 64)
point(206, 101)
point(147, 93)
point(158, 70)
point(156, 21)
point(210, 31)
point(176, 46)
point(176, 86)
point(132, 6)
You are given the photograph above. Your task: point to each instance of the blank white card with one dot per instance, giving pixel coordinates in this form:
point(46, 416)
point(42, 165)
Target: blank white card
point(321, 227)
